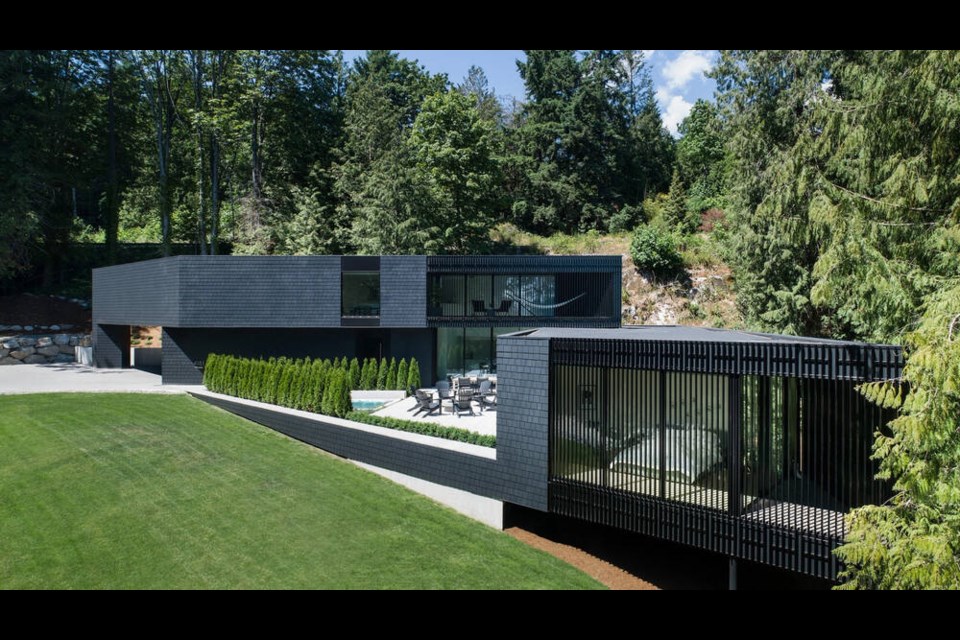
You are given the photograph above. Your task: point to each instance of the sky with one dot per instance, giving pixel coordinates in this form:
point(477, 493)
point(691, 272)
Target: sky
point(678, 75)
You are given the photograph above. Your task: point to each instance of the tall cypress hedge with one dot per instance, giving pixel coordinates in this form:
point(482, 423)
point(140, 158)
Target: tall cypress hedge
point(309, 385)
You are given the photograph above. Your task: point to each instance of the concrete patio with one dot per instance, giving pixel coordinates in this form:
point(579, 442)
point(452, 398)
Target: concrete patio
point(484, 423)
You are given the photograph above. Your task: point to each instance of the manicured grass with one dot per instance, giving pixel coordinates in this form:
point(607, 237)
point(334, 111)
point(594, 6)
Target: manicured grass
point(155, 491)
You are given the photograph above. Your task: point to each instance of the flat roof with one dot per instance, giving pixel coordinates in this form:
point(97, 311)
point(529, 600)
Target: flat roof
point(683, 334)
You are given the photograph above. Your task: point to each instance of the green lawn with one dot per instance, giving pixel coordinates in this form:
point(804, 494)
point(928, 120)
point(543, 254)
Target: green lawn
point(155, 491)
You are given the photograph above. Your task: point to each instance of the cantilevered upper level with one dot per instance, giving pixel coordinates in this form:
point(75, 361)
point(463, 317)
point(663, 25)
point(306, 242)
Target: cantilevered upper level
point(360, 291)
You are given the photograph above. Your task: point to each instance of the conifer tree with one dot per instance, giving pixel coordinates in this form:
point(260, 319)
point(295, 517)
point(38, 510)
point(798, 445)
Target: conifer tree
point(391, 382)
point(382, 372)
point(402, 372)
point(413, 376)
point(355, 373)
point(368, 377)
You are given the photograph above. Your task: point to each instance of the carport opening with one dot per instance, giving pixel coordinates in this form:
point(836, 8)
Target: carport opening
point(146, 348)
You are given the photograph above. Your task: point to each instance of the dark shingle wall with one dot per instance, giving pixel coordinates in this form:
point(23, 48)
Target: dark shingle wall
point(260, 291)
point(403, 291)
point(442, 466)
point(140, 293)
point(111, 346)
point(523, 415)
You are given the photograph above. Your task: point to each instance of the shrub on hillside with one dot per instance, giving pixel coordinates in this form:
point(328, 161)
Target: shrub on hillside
point(655, 251)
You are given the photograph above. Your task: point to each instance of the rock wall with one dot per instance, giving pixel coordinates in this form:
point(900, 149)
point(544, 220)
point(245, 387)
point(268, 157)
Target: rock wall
point(41, 348)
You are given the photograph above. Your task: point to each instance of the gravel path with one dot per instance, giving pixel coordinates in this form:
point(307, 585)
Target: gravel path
point(612, 576)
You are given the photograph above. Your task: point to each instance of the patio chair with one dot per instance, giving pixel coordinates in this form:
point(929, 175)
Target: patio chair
point(413, 391)
point(479, 307)
point(443, 390)
point(504, 306)
point(463, 402)
point(487, 397)
point(426, 403)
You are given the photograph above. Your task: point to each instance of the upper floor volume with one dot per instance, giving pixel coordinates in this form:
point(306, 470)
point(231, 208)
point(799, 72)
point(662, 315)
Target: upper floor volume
point(361, 291)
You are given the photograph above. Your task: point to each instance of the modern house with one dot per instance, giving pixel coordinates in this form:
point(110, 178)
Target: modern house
point(446, 311)
point(746, 444)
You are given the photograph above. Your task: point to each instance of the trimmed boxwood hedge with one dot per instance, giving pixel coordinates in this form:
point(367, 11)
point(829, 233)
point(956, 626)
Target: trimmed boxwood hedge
point(424, 428)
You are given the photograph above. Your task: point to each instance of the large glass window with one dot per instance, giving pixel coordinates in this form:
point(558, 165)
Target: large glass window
point(660, 434)
point(471, 351)
point(505, 291)
point(477, 351)
point(446, 296)
point(479, 296)
point(360, 294)
point(537, 296)
point(449, 352)
point(568, 295)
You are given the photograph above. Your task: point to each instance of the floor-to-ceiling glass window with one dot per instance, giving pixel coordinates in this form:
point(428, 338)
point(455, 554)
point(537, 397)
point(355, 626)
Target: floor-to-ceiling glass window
point(480, 295)
point(537, 295)
point(471, 351)
point(449, 352)
point(477, 351)
point(506, 292)
point(505, 295)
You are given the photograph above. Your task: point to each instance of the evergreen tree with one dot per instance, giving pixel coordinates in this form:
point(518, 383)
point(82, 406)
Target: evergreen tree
point(402, 373)
point(382, 372)
point(328, 406)
point(391, 382)
point(768, 99)
point(379, 190)
point(454, 148)
point(701, 157)
point(315, 389)
point(210, 372)
point(354, 374)
point(368, 377)
point(675, 213)
point(344, 404)
point(590, 141)
point(913, 541)
point(484, 100)
point(413, 376)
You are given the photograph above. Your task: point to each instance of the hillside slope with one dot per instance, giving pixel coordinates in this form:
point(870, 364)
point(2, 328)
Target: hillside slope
point(705, 298)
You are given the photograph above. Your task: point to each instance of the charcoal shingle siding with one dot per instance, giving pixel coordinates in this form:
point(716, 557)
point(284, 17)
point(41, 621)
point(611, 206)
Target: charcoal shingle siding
point(140, 293)
point(259, 291)
point(179, 363)
point(523, 419)
point(111, 346)
point(403, 291)
point(450, 468)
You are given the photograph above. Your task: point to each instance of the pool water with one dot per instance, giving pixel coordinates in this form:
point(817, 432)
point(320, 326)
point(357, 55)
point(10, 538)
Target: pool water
point(368, 405)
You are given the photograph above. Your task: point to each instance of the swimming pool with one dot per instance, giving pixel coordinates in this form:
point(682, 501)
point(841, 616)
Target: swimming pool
point(368, 405)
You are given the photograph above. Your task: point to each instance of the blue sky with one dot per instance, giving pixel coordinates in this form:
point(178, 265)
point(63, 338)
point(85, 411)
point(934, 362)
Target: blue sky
point(678, 74)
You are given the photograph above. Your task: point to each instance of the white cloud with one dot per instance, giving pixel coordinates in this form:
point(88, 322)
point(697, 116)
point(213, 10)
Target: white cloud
point(674, 108)
point(647, 53)
point(684, 67)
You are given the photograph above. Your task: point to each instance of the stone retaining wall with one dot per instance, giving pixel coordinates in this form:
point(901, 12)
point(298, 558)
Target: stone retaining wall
point(41, 348)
